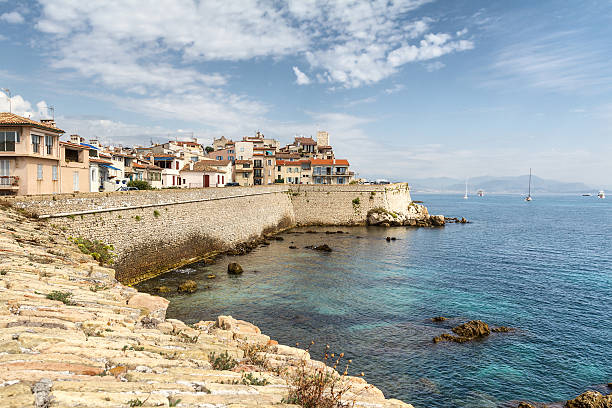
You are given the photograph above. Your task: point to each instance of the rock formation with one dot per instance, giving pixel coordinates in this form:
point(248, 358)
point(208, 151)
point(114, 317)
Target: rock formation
point(416, 215)
point(590, 399)
point(189, 286)
point(102, 344)
point(472, 330)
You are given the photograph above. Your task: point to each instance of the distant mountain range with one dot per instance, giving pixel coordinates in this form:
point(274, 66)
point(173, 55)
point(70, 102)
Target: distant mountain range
point(508, 185)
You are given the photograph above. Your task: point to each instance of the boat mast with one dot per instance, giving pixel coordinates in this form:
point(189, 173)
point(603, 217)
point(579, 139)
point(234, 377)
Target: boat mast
point(529, 195)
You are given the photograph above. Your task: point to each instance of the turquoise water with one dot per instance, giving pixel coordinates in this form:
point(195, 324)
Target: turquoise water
point(543, 267)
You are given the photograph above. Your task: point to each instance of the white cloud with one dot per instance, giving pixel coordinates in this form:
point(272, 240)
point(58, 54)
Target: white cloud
point(13, 17)
point(394, 89)
point(300, 77)
point(434, 66)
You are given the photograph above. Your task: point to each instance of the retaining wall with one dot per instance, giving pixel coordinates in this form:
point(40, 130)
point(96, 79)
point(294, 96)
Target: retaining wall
point(154, 231)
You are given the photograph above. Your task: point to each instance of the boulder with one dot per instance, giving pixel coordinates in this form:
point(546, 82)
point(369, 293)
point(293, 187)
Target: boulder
point(438, 319)
point(590, 399)
point(154, 305)
point(292, 247)
point(189, 286)
point(234, 268)
point(524, 404)
point(323, 248)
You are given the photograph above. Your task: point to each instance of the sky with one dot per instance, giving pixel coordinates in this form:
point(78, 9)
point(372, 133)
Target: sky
point(407, 89)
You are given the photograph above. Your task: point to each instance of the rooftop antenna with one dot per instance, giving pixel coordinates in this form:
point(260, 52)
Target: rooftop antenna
point(52, 109)
point(8, 92)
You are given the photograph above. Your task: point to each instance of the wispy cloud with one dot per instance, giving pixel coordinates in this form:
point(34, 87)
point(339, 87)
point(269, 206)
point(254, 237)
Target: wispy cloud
point(300, 77)
point(12, 17)
point(561, 62)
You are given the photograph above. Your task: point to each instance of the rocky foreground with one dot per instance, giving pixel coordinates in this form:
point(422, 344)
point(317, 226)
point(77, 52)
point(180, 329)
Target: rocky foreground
point(72, 336)
point(415, 216)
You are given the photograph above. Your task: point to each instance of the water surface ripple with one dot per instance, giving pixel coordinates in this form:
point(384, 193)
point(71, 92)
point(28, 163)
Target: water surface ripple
point(543, 267)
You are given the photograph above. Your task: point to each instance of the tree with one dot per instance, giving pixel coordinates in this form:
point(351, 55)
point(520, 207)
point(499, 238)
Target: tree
point(209, 149)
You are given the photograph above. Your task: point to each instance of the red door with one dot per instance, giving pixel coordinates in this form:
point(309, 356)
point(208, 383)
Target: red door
point(206, 180)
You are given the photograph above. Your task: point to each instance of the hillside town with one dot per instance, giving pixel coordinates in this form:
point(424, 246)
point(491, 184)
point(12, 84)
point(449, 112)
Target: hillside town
point(33, 160)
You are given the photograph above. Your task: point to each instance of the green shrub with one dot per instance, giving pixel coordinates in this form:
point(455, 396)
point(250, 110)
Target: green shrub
point(137, 218)
point(101, 252)
point(250, 379)
point(139, 184)
point(222, 362)
point(63, 297)
point(156, 213)
point(356, 201)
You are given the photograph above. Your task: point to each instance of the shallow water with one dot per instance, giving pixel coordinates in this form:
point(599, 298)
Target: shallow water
point(543, 267)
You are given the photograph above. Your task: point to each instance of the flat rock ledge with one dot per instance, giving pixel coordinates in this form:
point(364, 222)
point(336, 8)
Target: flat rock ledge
point(102, 344)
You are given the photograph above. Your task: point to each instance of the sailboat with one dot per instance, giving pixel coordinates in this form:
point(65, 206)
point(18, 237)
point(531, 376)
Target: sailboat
point(528, 198)
point(465, 196)
point(601, 194)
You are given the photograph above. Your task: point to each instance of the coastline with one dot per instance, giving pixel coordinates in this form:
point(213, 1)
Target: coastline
point(105, 344)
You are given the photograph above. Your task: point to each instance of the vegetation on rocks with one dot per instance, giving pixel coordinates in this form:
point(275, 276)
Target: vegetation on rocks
point(223, 361)
point(63, 297)
point(101, 252)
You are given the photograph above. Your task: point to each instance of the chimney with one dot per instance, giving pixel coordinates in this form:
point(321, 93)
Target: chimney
point(76, 139)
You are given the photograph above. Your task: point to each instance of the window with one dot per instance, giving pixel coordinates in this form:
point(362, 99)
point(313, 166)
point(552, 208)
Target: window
point(36, 143)
point(8, 140)
point(219, 157)
point(75, 181)
point(39, 172)
point(245, 175)
point(93, 174)
point(230, 151)
point(242, 149)
point(5, 172)
point(231, 158)
point(289, 169)
point(54, 173)
point(49, 144)
point(269, 162)
point(279, 168)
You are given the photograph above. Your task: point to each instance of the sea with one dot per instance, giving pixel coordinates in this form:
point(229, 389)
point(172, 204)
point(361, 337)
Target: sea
point(542, 267)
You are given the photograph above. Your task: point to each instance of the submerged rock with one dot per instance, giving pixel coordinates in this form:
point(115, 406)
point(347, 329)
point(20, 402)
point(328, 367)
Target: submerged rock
point(524, 404)
point(471, 330)
point(323, 248)
point(590, 399)
point(234, 268)
point(438, 319)
point(163, 289)
point(189, 286)
point(502, 329)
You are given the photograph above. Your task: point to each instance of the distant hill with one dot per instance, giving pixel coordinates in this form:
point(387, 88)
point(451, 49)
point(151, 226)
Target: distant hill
point(509, 185)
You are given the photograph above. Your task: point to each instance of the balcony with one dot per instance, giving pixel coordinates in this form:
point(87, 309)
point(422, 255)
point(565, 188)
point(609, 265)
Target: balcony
point(9, 182)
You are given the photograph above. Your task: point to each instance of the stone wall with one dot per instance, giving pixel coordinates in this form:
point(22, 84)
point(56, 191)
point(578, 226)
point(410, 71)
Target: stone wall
point(154, 231)
point(346, 205)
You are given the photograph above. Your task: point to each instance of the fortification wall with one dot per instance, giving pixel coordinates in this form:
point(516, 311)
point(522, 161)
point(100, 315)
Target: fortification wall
point(346, 205)
point(154, 231)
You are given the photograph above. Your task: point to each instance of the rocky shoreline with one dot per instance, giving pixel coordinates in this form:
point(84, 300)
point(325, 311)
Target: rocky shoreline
point(72, 336)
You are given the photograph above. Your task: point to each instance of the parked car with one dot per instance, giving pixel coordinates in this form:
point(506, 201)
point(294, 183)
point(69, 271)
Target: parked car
point(126, 188)
point(232, 184)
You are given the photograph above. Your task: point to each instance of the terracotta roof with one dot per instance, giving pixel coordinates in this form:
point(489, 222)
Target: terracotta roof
point(202, 166)
point(181, 143)
point(305, 140)
point(338, 162)
point(145, 166)
point(288, 155)
point(165, 155)
point(324, 147)
point(73, 145)
point(290, 163)
point(217, 162)
point(7, 118)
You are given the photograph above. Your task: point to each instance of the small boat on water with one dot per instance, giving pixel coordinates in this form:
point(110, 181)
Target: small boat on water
point(601, 194)
point(587, 195)
point(480, 193)
point(528, 198)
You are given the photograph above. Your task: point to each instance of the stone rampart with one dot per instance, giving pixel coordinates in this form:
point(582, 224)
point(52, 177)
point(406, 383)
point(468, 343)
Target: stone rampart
point(154, 231)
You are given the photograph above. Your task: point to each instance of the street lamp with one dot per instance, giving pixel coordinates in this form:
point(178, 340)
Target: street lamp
point(8, 92)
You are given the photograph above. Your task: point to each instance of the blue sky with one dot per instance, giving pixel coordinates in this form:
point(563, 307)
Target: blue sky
point(407, 89)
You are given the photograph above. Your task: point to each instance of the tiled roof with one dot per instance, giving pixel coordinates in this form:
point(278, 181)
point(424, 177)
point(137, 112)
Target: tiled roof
point(202, 165)
point(73, 145)
point(324, 147)
point(338, 162)
point(305, 141)
point(7, 118)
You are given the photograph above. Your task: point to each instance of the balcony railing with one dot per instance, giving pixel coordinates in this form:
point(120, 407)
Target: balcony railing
point(9, 181)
